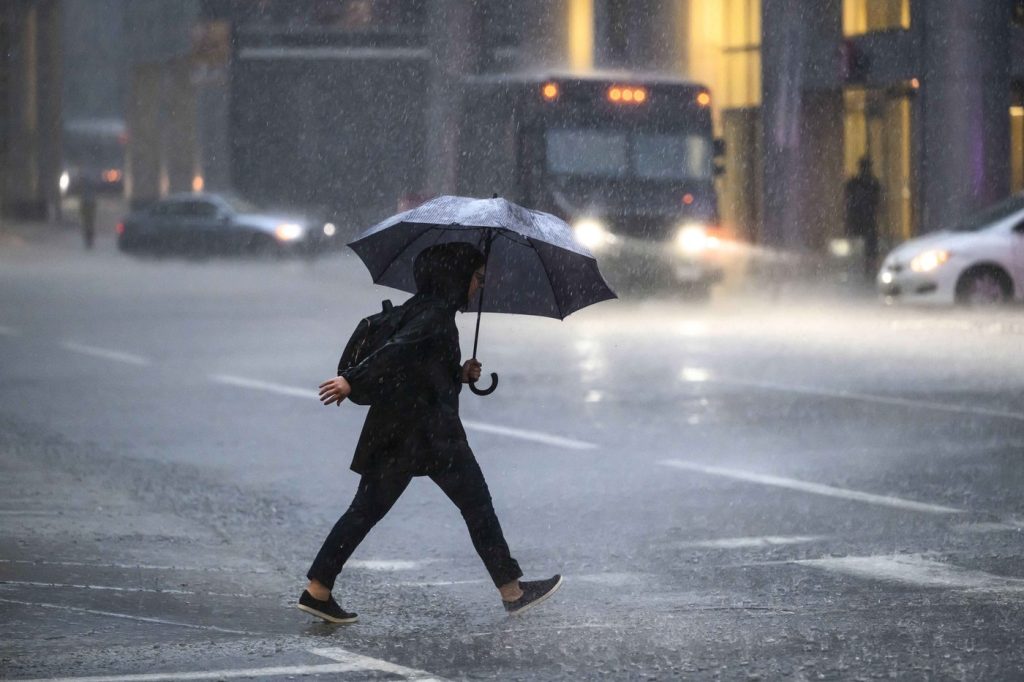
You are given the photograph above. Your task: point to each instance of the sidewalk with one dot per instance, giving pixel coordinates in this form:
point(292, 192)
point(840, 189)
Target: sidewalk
point(66, 231)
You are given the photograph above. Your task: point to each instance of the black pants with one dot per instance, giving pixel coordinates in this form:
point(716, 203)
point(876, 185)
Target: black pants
point(462, 482)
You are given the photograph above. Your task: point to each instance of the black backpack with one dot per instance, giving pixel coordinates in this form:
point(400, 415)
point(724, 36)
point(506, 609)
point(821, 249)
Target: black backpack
point(369, 336)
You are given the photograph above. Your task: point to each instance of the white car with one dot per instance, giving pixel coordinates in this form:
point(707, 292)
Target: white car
point(980, 262)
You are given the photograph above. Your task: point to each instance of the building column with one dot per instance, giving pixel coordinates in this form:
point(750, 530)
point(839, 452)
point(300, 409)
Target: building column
point(451, 62)
point(143, 162)
point(964, 108)
point(180, 121)
point(31, 161)
point(802, 122)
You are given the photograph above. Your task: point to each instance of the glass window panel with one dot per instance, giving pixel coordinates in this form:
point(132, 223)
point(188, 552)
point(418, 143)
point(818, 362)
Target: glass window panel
point(587, 152)
point(672, 157)
point(865, 16)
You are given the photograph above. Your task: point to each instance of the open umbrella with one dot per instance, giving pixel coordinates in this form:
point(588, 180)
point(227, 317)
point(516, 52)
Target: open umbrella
point(534, 264)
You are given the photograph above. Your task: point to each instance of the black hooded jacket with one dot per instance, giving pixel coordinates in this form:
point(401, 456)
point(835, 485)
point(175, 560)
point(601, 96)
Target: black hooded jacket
point(414, 380)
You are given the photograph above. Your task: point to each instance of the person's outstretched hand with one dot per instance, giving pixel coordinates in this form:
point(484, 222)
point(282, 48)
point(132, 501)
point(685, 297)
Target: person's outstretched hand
point(335, 390)
point(471, 371)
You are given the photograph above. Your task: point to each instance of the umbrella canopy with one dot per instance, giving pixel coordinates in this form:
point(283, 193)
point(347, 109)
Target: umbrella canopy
point(534, 264)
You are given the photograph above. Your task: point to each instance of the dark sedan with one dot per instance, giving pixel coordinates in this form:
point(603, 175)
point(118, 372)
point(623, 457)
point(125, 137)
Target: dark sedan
point(204, 224)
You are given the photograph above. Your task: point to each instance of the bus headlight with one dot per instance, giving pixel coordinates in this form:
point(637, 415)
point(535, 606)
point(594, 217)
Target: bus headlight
point(692, 239)
point(592, 234)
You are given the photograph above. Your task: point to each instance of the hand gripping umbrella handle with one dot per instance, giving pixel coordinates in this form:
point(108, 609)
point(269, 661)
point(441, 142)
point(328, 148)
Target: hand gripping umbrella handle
point(485, 391)
point(476, 339)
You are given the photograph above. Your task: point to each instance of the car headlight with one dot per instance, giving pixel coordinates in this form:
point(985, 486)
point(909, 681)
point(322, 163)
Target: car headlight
point(329, 229)
point(64, 182)
point(592, 234)
point(692, 239)
point(929, 260)
point(287, 232)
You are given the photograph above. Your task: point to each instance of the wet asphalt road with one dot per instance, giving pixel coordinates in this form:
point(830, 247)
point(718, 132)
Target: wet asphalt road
point(808, 489)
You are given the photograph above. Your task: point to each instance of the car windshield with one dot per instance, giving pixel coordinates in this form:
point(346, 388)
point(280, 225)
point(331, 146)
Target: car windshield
point(617, 154)
point(993, 213)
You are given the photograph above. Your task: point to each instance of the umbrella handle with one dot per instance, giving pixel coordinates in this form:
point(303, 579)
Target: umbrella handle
point(485, 391)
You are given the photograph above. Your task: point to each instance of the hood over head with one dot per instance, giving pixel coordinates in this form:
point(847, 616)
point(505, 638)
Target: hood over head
point(444, 271)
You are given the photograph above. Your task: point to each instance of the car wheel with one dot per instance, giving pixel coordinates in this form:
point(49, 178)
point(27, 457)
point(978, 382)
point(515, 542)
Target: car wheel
point(984, 286)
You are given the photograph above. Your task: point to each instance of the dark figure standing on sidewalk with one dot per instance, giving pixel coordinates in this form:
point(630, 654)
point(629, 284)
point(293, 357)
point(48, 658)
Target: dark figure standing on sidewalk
point(863, 195)
point(413, 429)
point(87, 212)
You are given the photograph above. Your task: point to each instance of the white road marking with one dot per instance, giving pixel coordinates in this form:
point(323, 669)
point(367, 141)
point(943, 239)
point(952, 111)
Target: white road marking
point(444, 583)
point(111, 588)
point(815, 488)
point(871, 398)
point(148, 567)
point(535, 436)
point(741, 543)
point(126, 616)
point(384, 564)
point(106, 353)
point(344, 662)
point(28, 512)
point(280, 389)
point(303, 670)
point(294, 392)
point(991, 527)
point(376, 664)
point(917, 570)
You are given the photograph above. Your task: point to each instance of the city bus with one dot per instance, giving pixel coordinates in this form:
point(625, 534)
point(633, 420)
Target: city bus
point(628, 161)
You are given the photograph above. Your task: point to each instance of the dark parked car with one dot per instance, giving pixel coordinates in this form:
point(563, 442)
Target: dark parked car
point(204, 224)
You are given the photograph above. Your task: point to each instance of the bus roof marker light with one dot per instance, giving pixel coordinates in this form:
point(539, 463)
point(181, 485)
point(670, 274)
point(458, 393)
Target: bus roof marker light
point(627, 95)
point(704, 99)
point(639, 95)
point(615, 94)
point(549, 92)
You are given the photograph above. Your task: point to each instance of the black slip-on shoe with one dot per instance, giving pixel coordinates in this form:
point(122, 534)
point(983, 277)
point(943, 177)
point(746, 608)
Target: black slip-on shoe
point(534, 592)
point(328, 610)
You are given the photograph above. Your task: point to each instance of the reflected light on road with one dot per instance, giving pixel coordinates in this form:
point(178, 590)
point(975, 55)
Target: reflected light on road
point(593, 397)
point(695, 374)
point(593, 362)
point(692, 328)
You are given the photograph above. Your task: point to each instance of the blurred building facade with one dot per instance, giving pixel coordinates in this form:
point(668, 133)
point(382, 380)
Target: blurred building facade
point(930, 91)
point(349, 104)
point(30, 108)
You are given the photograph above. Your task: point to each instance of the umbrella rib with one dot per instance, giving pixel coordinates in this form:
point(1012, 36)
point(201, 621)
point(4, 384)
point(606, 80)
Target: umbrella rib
point(551, 285)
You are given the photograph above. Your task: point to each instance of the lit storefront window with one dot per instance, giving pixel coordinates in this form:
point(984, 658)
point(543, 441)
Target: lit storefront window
point(723, 39)
point(1017, 140)
point(865, 16)
point(878, 124)
point(741, 53)
point(581, 35)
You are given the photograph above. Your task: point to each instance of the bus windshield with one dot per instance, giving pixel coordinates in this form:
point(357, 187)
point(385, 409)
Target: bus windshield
point(613, 153)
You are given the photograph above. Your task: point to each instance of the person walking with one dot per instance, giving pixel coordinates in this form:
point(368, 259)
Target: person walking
point(413, 429)
point(863, 196)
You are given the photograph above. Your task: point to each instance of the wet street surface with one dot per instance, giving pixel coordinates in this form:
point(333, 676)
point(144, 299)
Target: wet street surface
point(802, 487)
